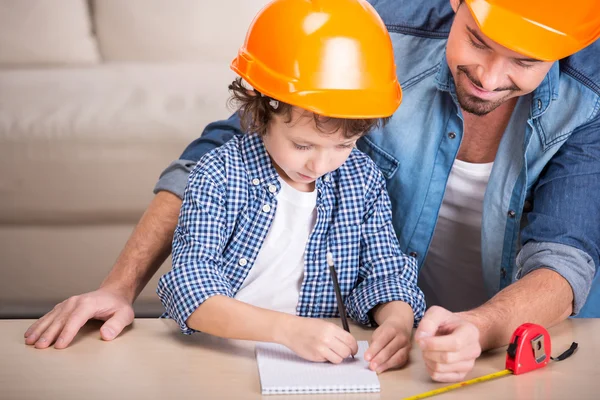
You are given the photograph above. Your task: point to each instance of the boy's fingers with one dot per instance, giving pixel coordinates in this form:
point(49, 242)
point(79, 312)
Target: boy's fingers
point(381, 338)
point(331, 356)
point(348, 340)
point(397, 360)
point(397, 344)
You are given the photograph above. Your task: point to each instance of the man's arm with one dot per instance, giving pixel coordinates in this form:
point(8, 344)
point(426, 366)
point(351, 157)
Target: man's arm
point(542, 297)
point(147, 248)
point(556, 264)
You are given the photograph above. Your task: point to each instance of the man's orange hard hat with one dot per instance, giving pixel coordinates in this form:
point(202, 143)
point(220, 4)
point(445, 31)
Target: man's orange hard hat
point(546, 30)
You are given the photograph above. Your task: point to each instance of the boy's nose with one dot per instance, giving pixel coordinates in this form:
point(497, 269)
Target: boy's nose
point(317, 166)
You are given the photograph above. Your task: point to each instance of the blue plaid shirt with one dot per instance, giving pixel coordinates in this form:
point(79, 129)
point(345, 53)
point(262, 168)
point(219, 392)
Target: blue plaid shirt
point(228, 206)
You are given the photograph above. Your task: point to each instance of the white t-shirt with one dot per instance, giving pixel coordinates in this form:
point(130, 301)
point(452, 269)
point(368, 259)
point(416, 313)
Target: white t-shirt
point(275, 279)
point(451, 276)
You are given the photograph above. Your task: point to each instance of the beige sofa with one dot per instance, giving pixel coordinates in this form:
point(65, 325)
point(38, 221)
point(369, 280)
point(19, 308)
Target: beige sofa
point(96, 98)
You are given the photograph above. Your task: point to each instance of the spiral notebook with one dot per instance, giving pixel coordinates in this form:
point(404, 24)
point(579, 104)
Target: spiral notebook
point(283, 372)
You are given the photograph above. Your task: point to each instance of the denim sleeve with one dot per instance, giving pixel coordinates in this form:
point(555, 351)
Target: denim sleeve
point(385, 273)
point(563, 231)
point(174, 178)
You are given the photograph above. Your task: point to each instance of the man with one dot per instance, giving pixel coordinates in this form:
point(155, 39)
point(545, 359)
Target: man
point(492, 164)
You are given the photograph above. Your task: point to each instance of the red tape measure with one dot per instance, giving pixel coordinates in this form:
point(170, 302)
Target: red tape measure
point(529, 349)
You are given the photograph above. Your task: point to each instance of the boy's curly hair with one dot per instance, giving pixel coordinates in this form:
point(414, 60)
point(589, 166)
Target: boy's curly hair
point(256, 112)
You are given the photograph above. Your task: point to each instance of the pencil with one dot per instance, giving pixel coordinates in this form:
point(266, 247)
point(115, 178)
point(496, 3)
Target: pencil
point(338, 293)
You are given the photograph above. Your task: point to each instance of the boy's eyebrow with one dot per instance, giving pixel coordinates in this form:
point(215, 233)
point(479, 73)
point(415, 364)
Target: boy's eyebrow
point(302, 140)
point(478, 37)
point(306, 142)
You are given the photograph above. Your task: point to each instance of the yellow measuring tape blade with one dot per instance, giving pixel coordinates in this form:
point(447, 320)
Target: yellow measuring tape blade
point(459, 385)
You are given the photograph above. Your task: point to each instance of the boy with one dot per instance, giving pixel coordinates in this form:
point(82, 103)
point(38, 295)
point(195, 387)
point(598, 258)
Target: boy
point(260, 213)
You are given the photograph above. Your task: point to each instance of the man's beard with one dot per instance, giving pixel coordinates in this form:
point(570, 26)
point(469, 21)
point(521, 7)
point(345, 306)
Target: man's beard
point(475, 105)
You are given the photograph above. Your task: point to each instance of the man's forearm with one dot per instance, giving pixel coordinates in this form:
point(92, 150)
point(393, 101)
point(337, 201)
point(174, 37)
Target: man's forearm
point(147, 248)
point(229, 318)
point(542, 297)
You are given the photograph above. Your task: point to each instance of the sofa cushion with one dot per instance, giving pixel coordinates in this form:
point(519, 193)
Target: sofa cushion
point(86, 145)
point(174, 30)
point(34, 32)
point(44, 265)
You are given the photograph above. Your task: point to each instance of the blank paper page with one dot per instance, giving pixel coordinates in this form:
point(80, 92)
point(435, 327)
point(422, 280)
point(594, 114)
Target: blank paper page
point(282, 371)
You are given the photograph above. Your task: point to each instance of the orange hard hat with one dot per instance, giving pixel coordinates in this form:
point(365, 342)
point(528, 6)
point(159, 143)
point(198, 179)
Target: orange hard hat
point(332, 57)
point(546, 30)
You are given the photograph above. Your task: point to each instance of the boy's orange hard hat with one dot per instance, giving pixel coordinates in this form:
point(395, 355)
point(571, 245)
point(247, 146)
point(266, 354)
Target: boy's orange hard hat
point(546, 30)
point(331, 57)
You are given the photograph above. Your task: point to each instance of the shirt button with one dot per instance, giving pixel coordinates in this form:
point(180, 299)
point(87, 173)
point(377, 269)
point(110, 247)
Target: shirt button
point(511, 214)
point(452, 135)
point(272, 188)
point(243, 262)
point(413, 254)
point(503, 273)
point(266, 208)
point(256, 181)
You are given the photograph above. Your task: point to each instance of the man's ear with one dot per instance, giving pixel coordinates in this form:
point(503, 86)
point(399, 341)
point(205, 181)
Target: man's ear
point(455, 4)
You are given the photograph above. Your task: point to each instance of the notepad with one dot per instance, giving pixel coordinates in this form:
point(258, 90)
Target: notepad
point(283, 372)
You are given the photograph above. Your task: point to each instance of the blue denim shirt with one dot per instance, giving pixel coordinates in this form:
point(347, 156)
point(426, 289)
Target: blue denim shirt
point(542, 203)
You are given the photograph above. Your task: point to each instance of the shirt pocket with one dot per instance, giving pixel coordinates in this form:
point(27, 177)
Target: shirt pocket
point(387, 163)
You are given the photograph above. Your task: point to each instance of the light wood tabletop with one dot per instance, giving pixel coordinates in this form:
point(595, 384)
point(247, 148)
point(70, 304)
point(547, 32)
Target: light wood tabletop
point(152, 360)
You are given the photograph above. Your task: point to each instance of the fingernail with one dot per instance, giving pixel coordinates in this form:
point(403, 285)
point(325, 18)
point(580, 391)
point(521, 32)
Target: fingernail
point(60, 340)
point(108, 333)
point(422, 335)
point(374, 366)
point(368, 357)
point(27, 332)
point(42, 340)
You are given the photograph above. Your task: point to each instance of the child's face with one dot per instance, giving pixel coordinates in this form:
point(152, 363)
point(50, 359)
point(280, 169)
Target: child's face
point(301, 153)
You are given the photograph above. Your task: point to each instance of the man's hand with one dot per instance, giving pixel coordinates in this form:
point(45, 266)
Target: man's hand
point(62, 323)
point(390, 345)
point(450, 344)
point(317, 340)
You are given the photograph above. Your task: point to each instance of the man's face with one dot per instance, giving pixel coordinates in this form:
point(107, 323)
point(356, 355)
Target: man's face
point(487, 74)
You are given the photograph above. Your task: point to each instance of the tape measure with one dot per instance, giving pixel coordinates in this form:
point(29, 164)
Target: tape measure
point(529, 349)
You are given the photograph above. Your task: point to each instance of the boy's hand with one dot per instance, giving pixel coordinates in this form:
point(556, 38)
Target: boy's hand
point(450, 344)
point(316, 340)
point(390, 345)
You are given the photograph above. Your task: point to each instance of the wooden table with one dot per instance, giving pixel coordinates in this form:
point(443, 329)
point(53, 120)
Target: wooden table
point(152, 360)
